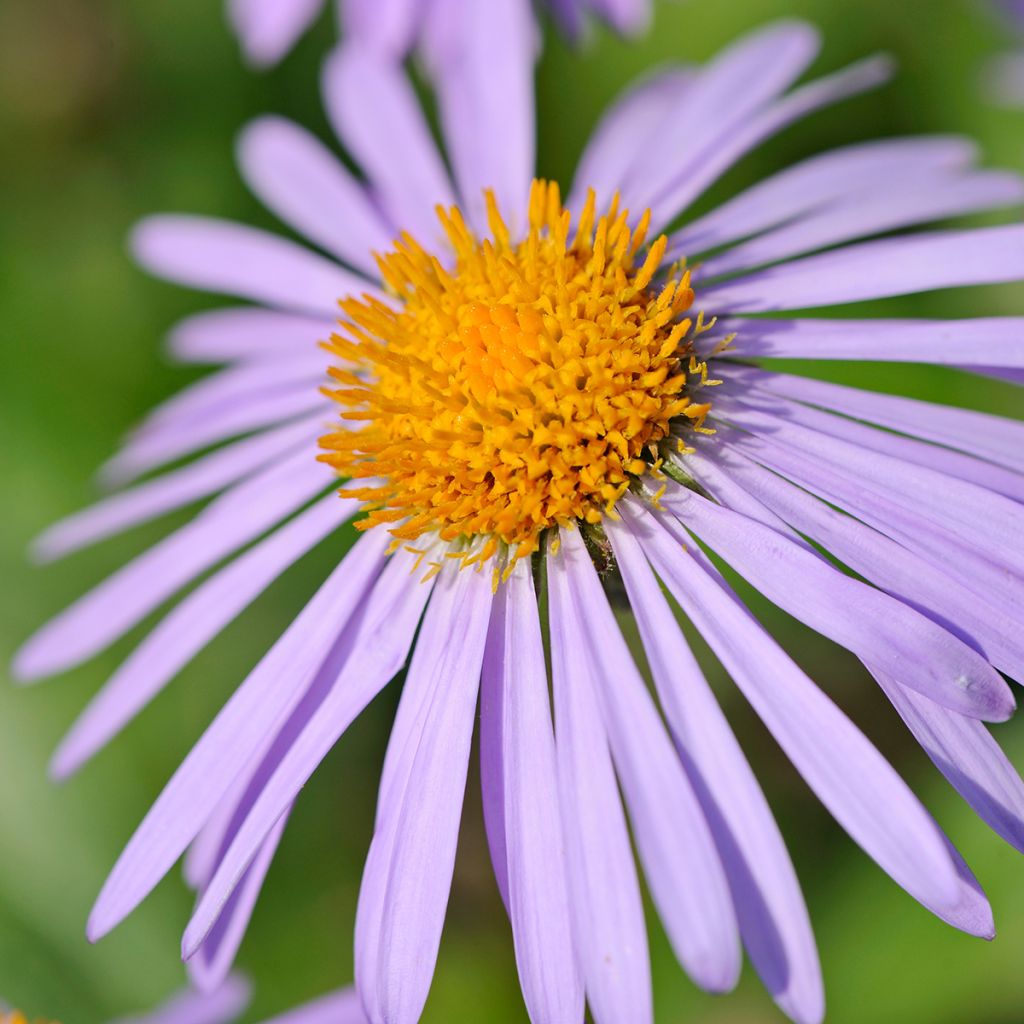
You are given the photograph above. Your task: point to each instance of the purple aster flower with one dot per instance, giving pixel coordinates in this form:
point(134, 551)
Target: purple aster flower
point(267, 29)
point(226, 1003)
point(223, 1004)
point(341, 1007)
point(527, 399)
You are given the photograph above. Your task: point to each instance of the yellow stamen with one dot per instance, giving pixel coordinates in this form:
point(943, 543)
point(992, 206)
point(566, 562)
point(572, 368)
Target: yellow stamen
point(522, 386)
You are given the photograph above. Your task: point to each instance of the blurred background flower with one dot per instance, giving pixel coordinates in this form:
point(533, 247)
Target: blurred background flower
point(106, 112)
point(267, 29)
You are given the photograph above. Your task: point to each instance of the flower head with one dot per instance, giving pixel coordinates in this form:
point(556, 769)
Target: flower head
point(267, 29)
point(520, 397)
point(525, 387)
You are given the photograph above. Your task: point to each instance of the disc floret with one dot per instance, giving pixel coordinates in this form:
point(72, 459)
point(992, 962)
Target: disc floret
point(522, 386)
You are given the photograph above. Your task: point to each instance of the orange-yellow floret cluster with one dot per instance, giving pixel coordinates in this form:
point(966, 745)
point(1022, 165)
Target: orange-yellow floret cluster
point(14, 1017)
point(521, 386)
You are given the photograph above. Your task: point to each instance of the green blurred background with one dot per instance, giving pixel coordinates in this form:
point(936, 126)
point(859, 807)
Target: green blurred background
point(110, 109)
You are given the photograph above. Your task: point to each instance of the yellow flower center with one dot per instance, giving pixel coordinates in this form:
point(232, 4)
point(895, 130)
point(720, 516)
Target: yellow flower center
point(521, 386)
point(14, 1017)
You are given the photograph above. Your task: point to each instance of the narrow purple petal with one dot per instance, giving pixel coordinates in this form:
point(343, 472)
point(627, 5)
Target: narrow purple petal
point(847, 773)
point(927, 261)
point(956, 505)
point(222, 256)
point(873, 555)
point(972, 913)
point(297, 177)
point(630, 17)
point(515, 686)
point(725, 93)
point(342, 1007)
point(409, 869)
point(918, 202)
point(485, 95)
point(245, 727)
point(857, 78)
point(624, 130)
point(991, 340)
point(980, 434)
point(238, 385)
point(387, 27)
point(122, 600)
point(1011, 376)
point(267, 29)
point(608, 918)
point(244, 332)
point(223, 1006)
point(212, 962)
point(155, 445)
point(492, 743)
point(173, 490)
point(378, 118)
point(187, 628)
point(377, 643)
point(912, 527)
point(973, 762)
point(820, 182)
point(883, 632)
point(938, 459)
point(772, 915)
point(675, 844)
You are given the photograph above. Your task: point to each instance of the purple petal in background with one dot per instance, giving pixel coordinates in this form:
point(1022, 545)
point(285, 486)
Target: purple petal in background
point(387, 27)
point(245, 332)
point(297, 177)
point(485, 94)
point(341, 1007)
point(363, 93)
point(221, 256)
point(267, 29)
point(222, 1006)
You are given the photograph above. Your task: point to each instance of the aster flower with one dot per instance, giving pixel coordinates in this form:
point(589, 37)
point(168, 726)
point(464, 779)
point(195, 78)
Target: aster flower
point(527, 396)
point(228, 1001)
point(221, 1005)
point(267, 29)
